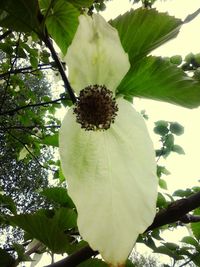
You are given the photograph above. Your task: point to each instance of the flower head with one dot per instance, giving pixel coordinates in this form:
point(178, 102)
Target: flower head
point(106, 153)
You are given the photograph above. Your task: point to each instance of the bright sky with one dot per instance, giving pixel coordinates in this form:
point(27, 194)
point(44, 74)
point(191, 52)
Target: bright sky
point(185, 170)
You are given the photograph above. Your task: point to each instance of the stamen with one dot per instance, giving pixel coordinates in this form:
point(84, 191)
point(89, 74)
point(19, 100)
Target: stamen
point(96, 108)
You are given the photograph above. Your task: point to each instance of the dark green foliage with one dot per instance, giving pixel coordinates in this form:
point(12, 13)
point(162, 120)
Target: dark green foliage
point(167, 130)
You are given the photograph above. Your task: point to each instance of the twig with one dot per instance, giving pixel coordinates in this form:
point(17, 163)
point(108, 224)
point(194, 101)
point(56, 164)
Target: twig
point(185, 263)
point(68, 87)
point(21, 127)
point(30, 152)
point(26, 70)
point(10, 112)
point(12, 66)
point(5, 34)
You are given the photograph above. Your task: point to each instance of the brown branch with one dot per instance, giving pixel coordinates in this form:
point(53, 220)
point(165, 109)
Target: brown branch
point(75, 258)
point(176, 211)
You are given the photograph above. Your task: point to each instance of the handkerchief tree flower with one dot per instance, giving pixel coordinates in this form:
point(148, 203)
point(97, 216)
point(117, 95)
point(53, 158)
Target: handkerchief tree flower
point(106, 153)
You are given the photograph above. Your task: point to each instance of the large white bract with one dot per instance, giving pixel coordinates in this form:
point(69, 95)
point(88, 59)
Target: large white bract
point(111, 174)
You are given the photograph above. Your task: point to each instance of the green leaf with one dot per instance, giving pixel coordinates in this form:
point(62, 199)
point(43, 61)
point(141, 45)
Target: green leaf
point(81, 3)
point(93, 263)
point(183, 193)
point(50, 140)
point(161, 201)
point(196, 259)
point(162, 170)
point(178, 149)
point(129, 264)
point(162, 184)
point(162, 123)
point(190, 240)
point(171, 246)
point(58, 195)
point(156, 78)
point(21, 15)
point(161, 130)
point(143, 30)
point(177, 60)
point(169, 141)
point(176, 128)
point(167, 251)
point(21, 253)
point(6, 48)
point(49, 231)
point(196, 226)
point(8, 203)
point(5, 259)
point(61, 21)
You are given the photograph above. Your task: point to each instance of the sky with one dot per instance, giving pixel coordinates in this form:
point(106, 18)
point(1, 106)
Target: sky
point(185, 171)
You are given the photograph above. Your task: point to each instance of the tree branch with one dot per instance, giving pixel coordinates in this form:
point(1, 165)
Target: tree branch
point(176, 211)
point(21, 127)
point(26, 69)
point(5, 34)
point(12, 111)
point(75, 258)
point(68, 87)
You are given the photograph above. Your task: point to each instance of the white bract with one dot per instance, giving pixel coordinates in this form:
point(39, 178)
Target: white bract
point(111, 174)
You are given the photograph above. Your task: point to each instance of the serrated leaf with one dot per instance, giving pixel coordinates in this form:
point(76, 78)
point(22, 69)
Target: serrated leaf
point(178, 149)
point(156, 78)
point(21, 15)
point(58, 195)
point(50, 231)
point(61, 21)
point(143, 30)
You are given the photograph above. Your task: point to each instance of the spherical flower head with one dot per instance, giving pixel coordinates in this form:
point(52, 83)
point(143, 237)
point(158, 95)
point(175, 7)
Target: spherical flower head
point(106, 153)
point(96, 108)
